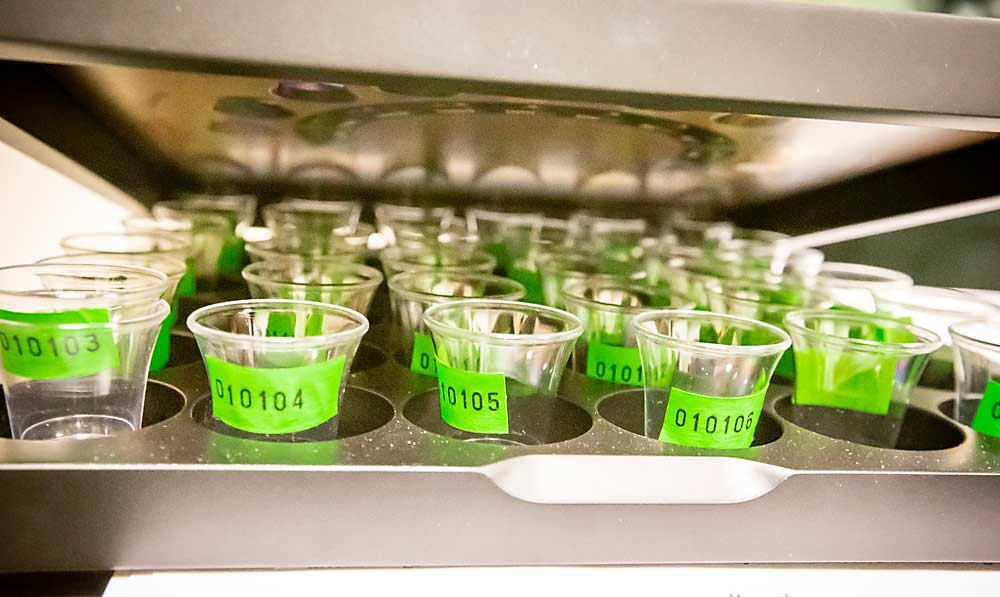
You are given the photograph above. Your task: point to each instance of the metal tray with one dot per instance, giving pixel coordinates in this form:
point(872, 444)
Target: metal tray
point(395, 491)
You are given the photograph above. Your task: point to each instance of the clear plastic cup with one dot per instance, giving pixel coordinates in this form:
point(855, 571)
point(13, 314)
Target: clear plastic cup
point(935, 309)
point(411, 293)
point(207, 234)
point(854, 372)
point(277, 369)
point(239, 211)
point(559, 269)
point(691, 232)
point(499, 364)
point(508, 236)
point(320, 280)
point(617, 239)
point(854, 285)
point(767, 302)
point(311, 218)
point(706, 376)
point(174, 269)
point(348, 246)
point(977, 375)
point(75, 346)
point(608, 349)
point(397, 223)
point(444, 257)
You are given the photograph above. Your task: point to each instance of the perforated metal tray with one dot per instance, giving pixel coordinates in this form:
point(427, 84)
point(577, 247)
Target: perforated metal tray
point(393, 491)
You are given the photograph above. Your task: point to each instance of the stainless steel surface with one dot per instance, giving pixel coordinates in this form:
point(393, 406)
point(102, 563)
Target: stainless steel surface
point(177, 495)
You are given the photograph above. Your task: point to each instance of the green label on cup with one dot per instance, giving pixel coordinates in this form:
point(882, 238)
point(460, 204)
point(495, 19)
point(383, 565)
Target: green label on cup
point(862, 382)
point(987, 420)
point(282, 400)
point(186, 287)
point(231, 256)
point(532, 284)
point(423, 361)
point(711, 422)
point(475, 402)
point(614, 363)
point(43, 351)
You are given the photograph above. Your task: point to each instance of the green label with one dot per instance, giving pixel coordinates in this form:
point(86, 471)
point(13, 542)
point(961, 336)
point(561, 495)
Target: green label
point(186, 287)
point(614, 363)
point(475, 402)
point(423, 361)
point(862, 382)
point(43, 351)
point(161, 351)
point(282, 400)
point(532, 283)
point(231, 256)
point(711, 422)
point(987, 420)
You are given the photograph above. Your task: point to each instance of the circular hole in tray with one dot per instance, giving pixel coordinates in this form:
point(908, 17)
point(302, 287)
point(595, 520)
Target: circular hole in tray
point(361, 411)
point(533, 421)
point(183, 349)
point(161, 403)
point(920, 430)
point(228, 290)
point(626, 410)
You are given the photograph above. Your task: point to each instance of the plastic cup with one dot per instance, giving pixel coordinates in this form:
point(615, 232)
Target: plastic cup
point(765, 302)
point(321, 280)
point(206, 234)
point(174, 269)
point(75, 346)
point(311, 218)
point(411, 293)
point(499, 364)
point(862, 365)
point(854, 285)
point(397, 223)
point(344, 245)
point(608, 349)
point(508, 236)
point(935, 309)
point(559, 269)
point(977, 375)
point(277, 369)
point(239, 212)
point(706, 376)
point(697, 233)
point(443, 257)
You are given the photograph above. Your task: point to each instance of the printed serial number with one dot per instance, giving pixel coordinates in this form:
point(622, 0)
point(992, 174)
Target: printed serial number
point(247, 398)
point(471, 400)
point(65, 345)
point(712, 424)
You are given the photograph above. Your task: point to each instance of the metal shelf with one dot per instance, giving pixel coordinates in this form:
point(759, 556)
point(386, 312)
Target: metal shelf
point(746, 56)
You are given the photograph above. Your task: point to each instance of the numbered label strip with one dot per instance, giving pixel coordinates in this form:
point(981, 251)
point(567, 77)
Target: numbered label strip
point(700, 421)
point(284, 400)
point(614, 363)
point(987, 419)
point(42, 350)
point(423, 361)
point(474, 402)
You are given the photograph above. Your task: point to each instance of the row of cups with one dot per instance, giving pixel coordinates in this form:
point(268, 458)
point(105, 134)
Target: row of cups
point(432, 268)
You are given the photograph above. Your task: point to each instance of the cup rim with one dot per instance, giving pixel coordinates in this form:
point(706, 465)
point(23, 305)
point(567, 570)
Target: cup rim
point(758, 350)
point(242, 205)
point(928, 341)
point(890, 278)
point(512, 218)
point(571, 295)
point(411, 213)
point(394, 256)
point(299, 205)
point(183, 245)
point(149, 292)
point(159, 314)
point(264, 250)
point(722, 287)
point(900, 296)
point(372, 275)
point(177, 271)
point(398, 285)
point(432, 321)
point(278, 342)
point(959, 337)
